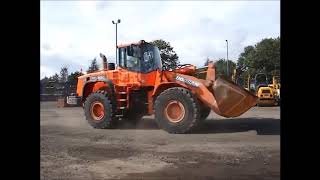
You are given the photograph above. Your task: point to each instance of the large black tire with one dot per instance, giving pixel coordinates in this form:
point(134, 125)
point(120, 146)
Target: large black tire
point(204, 112)
point(108, 120)
point(191, 106)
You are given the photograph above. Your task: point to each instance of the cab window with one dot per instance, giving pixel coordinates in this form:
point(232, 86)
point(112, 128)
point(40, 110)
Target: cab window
point(145, 58)
point(131, 63)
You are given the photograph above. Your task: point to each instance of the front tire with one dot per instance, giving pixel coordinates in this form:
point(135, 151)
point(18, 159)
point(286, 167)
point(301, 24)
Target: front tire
point(98, 110)
point(204, 113)
point(177, 110)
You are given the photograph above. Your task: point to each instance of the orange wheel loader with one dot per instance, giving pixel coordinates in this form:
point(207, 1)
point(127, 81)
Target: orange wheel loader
point(179, 98)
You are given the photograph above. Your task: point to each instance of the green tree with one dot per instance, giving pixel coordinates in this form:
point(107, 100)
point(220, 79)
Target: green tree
point(44, 80)
point(169, 57)
point(263, 57)
point(43, 84)
point(73, 77)
point(245, 64)
point(93, 66)
point(206, 63)
point(221, 68)
point(54, 78)
point(246, 58)
point(48, 85)
point(267, 56)
point(64, 74)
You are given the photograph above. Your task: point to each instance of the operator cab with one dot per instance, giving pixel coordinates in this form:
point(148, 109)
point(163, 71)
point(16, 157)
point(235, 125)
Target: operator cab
point(142, 57)
point(260, 80)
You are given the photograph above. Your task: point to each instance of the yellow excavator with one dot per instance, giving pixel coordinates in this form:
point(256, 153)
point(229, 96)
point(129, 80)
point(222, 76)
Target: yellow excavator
point(264, 92)
point(268, 92)
point(276, 88)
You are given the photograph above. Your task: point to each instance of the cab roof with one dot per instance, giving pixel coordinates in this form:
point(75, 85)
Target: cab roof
point(133, 43)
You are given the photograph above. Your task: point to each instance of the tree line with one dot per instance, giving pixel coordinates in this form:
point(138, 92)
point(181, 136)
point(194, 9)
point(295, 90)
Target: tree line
point(169, 58)
point(263, 57)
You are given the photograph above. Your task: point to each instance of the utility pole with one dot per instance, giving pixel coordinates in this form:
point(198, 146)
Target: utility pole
point(227, 60)
point(116, 23)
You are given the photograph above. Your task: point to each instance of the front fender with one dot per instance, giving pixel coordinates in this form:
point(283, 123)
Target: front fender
point(163, 86)
point(107, 82)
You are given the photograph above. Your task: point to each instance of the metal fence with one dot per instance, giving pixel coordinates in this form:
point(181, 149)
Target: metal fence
point(51, 91)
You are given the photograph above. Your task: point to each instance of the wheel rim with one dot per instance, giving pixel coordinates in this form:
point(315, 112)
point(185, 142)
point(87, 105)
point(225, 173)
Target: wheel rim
point(97, 110)
point(174, 111)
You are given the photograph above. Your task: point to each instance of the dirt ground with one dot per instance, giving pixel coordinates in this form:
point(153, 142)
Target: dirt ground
point(247, 147)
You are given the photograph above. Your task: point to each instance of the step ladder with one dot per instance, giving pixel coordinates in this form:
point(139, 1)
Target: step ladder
point(122, 101)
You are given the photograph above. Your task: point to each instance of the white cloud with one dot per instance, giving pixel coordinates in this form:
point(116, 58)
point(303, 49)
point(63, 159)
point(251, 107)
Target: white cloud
point(77, 31)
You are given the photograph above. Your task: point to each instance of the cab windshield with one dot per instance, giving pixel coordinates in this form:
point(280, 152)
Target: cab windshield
point(144, 58)
point(263, 79)
point(151, 58)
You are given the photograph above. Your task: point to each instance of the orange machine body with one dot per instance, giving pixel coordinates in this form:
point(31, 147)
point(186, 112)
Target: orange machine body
point(223, 97)
point(126, 81)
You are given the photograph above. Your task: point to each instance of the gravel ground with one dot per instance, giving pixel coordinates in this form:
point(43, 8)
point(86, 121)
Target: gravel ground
point(247, 147)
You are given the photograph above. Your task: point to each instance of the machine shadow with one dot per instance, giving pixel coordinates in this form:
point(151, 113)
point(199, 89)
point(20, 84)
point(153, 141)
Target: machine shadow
point(263, 126)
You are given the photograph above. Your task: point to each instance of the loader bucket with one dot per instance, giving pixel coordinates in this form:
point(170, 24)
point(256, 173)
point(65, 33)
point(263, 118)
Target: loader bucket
point(231, 99)
point(224, 97)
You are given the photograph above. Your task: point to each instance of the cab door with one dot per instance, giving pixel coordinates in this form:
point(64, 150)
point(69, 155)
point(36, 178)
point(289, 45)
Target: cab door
point(150, 65)
point(130, 67)
point(123, 73)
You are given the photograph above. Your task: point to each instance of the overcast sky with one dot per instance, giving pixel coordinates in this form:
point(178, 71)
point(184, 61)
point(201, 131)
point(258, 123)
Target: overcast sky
point(74, 32)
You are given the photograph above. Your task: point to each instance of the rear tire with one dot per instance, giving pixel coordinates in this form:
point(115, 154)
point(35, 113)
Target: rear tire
point(186, 114)
point(98, 110)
